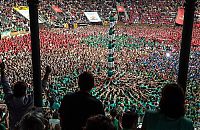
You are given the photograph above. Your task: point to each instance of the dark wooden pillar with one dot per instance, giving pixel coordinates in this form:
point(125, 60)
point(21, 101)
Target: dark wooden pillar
point(35, 44)
point(186, 43)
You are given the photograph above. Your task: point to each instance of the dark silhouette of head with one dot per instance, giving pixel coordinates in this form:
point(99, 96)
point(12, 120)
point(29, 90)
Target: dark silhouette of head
point(20, 89)
point(99, 122)
point(32, 121)
point(86, 81)
point(113, 113)
point(129, 120)
point(172, 102)
point(1, 113)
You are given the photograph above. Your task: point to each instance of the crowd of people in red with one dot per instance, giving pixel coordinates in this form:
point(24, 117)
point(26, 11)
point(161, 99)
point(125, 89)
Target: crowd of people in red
point(166, 35)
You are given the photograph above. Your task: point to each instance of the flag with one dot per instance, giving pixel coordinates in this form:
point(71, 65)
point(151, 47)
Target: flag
point(180, 16)
point(120, 9)
point(56, 9)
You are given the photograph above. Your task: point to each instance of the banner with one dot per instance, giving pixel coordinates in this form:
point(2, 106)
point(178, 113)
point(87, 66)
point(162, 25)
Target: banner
point(105, 23)
point(198, 25)
point(24, 11)
point(5, 34)
point(180, 16)
point(66, 25)
point(75, 25)
point(92, 16)
point(56, 9)
point(21, 8)
point(120, 9)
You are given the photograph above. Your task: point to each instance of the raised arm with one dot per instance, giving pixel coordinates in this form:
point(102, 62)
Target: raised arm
point(46, 76)
point(2, 67)
point(4, 82)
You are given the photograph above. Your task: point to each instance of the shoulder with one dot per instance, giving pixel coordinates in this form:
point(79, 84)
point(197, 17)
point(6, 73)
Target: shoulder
point(29, 99)
point(186, 123)
point(2, 127)
point(93, 99)
point(82, 97)
point(77, 96)
point(150, 117)
point(69, 96)
point(152, 114)
point(184, 119)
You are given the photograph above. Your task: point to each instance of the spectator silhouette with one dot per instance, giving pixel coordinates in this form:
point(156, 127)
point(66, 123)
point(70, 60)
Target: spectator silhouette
point(76, 108)
point(129, 121)
point(115, 121)
point(33, 120)
point(3, 119)
point(99, 122)
point(17, 100)
point(171, 113)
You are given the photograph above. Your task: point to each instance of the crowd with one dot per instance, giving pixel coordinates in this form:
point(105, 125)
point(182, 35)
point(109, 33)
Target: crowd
point(76, 9)
point(10, 20)
point(153, 12)
point(140, 11)
point(145, 60)
point(70, 11)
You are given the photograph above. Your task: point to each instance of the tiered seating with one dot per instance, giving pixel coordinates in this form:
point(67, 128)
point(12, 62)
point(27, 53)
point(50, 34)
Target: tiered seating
point(140, 11)
point(12, 20)
point(154, 12)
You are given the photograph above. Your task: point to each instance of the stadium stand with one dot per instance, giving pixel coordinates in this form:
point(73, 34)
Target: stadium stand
point(146, 56)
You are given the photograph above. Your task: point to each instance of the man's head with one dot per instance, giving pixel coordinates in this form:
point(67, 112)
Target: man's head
point(20, 89)
point(86, 81)
point(130, 120)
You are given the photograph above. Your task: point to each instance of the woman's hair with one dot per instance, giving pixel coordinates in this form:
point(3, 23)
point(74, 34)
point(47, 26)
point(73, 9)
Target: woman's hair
point(99, 122)
point(172, 102)
point(32, 121)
